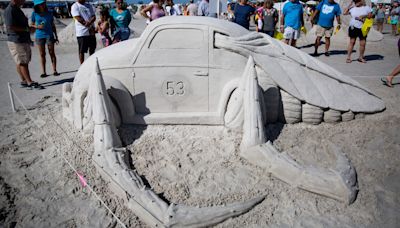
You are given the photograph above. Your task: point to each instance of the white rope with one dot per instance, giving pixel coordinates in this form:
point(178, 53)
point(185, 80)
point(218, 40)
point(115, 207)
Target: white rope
point(69, 164)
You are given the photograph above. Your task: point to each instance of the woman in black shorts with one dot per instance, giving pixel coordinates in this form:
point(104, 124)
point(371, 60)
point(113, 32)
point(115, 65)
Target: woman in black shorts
point(358, 12)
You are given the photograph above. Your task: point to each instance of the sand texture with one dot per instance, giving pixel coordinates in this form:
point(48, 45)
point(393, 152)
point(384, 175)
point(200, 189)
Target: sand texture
point(195, 165)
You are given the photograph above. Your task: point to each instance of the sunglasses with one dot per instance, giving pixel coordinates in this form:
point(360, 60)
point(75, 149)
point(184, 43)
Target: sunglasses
point(119, 3)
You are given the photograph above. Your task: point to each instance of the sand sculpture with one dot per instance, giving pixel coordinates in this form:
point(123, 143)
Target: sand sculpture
point(263, 81)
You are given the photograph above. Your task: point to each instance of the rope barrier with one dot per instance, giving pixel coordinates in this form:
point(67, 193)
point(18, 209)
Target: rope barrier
point(12, 93)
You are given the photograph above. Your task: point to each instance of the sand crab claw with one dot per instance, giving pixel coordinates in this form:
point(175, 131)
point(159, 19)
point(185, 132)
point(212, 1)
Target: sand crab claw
point(340, 184)
point(111, 161)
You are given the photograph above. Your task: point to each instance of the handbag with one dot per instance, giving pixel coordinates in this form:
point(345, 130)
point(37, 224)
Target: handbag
point(367, 26)
point(278, 35)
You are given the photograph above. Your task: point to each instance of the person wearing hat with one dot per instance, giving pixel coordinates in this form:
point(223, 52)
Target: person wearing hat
point(46, 33)
point(19, 41)
point(84, 16)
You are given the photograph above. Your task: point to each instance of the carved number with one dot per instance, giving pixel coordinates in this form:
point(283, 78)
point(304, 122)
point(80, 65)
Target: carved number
point(175, 88)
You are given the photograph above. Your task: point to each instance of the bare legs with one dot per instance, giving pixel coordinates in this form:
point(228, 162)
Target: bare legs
point(292, 42)
point(362, 50)
point(42, 53)
point(393, 74)
point(316, 45)
point(318, 42)
point(82, 55)
point(24, 74)
point(394, 29)
point(53, 57)
point(379, 26)
point(350, 50)
point(327, 44)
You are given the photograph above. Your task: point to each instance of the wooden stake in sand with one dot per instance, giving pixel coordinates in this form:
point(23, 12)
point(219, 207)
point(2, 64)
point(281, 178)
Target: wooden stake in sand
point(11, 97)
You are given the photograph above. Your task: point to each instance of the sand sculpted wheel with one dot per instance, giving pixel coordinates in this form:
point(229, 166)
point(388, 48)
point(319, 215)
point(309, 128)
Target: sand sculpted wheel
point(276, 83)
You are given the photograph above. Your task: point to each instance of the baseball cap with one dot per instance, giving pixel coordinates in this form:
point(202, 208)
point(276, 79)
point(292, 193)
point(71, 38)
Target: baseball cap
point(38, 2)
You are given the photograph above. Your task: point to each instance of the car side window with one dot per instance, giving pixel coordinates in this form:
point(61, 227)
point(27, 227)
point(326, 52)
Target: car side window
point(219, 33)
point(176, 38)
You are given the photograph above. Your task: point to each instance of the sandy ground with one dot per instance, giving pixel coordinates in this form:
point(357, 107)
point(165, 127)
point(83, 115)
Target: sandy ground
point(195, 165)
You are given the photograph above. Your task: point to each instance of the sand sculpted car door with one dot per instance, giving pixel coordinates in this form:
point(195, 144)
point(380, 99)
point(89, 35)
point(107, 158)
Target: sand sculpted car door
point(171, 71)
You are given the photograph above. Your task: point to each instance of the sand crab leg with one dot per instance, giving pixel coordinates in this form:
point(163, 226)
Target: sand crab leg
point(112, 162)
point(340, 184)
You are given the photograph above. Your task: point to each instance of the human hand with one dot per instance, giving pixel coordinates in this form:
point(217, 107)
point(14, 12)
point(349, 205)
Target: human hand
point(282, 29)
point(31, 29)
point(56, 41)
point(359, 18)
point(41, 26)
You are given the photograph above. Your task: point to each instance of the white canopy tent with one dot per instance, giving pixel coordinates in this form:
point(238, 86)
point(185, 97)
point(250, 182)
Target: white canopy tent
point(311, 2)
point(381, 1)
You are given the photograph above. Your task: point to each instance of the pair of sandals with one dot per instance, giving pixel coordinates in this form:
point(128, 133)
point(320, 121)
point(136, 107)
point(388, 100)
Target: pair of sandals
point(33, 85)
point(45, 75)
point(361, 60)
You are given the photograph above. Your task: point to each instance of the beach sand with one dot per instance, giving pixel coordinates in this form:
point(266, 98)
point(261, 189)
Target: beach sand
point(195, 165)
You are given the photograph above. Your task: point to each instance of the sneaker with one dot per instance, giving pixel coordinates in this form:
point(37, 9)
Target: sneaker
point(315, 54)
point(326, 54)
point(56, 73)
point(43, 75)
point(35, 85)
point(23, 84)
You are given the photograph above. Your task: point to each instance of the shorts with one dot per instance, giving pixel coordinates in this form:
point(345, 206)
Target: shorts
point(323, 31)
point(121, 34)
point(43, 41)
point(270, 33)
point(356, 33)
point(21, 52)
point(291, 33)
point(380, 20)
point(393, 22)
point(86, 43)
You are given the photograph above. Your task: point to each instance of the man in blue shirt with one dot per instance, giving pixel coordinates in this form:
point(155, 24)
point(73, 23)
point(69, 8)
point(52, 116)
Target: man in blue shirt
point(292, 21)
point(328, 10)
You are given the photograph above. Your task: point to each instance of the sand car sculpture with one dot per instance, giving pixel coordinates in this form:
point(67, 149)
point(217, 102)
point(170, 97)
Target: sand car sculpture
point(195, 70)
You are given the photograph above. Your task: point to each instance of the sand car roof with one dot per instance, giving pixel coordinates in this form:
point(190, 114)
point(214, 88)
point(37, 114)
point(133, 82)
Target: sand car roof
point(223, 25)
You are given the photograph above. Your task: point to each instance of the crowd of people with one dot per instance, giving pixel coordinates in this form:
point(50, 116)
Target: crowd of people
point(113, 25)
